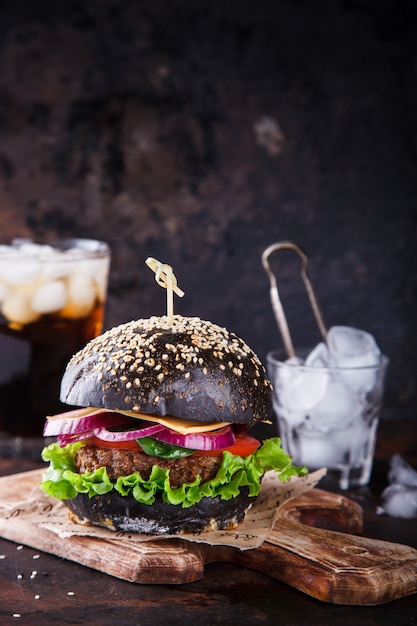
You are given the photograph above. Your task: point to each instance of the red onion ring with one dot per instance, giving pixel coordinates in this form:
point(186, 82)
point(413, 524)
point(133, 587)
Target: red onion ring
point(74, 425)
point(217, 440)
point(127, 435)
point(64, 440)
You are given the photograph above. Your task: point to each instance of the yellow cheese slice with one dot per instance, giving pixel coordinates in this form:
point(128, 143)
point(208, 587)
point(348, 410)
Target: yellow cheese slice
point(182, 426)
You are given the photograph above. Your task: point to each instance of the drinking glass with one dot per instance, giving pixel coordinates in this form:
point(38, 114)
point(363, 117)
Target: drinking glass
point(52, 301)
point(328, 415)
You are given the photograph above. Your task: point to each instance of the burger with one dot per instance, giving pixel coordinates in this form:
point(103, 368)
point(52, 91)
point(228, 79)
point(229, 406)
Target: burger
point(158, 442)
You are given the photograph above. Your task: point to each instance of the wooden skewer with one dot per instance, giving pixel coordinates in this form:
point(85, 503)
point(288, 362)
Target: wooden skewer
point(166, 278)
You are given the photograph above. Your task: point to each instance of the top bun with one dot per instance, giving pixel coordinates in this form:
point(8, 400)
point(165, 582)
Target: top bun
point(191, 369)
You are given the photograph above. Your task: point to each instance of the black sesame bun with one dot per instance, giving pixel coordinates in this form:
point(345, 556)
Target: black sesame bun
point(124, 513)
point(193, 369)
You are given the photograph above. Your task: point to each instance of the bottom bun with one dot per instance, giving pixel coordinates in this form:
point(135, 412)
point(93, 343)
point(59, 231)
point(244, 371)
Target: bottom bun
point(124, 513)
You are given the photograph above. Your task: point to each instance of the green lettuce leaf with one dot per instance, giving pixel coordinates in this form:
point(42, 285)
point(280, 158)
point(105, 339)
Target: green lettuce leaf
point(62, 481)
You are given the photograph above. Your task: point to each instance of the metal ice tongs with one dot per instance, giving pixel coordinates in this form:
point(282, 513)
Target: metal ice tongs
point(275, 299)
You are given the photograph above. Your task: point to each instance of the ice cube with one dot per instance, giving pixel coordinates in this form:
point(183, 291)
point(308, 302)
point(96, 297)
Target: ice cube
point(334, 448)
point(350, 347)
point(298, 389)
point(318, 357)
point(293, 419)
point(399, 501)
point(95, 269)
point(401, 472)
point(54, 269)
point(26, 246)
point(17, 308)
point(49, 297)
point(313, 449)
point(86, 266)
point(81, 296)
point(4, 249)
point(339, 405)
point(20, 272)
point(355, 349)
point(46, 252)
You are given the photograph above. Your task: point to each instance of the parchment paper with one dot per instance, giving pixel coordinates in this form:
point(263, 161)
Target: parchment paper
point(46, 512)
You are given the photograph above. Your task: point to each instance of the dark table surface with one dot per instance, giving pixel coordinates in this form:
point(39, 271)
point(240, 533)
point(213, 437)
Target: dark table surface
point(39, 588)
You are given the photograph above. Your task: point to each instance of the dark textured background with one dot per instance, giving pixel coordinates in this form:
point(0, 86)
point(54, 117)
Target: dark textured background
point(201, 132)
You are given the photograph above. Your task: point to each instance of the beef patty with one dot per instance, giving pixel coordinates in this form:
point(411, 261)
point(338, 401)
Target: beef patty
point(120, 462)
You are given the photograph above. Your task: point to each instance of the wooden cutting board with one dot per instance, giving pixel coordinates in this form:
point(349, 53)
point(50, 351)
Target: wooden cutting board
point(313, 547)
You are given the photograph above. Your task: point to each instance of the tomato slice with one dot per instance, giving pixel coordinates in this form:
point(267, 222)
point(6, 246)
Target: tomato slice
point(131, 444)
point(244, 446)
